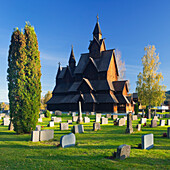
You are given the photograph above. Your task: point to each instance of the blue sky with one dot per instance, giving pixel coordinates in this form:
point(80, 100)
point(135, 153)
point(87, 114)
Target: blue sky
point(127, 25)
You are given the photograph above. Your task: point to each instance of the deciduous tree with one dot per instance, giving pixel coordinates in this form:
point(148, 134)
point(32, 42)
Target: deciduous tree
point(149, 88)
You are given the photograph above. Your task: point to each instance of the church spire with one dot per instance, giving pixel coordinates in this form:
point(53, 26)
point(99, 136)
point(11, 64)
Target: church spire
point(97, 31)
point(72, 60)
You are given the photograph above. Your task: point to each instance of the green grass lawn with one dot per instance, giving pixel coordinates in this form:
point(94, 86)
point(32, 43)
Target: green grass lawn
point(91, 151)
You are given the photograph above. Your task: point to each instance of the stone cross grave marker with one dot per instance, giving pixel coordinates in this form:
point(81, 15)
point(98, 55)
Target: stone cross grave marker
point(129, 128)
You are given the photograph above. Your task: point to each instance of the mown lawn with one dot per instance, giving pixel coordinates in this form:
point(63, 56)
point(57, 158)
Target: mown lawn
point(91, 151)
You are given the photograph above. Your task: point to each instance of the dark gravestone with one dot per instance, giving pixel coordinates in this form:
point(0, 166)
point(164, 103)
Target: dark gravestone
point(129, 128)
point(167, 115)
point(80, 119)
point(153, 123)
point(147, 141)
point(123, 151)
point(78, 129)
point(68, 140)
point(96, 126)
point(63, 126)
point(58, 113)
point(11, 126)
point(168, 132)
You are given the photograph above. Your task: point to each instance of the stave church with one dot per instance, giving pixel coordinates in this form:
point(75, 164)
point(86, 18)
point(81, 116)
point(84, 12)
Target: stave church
point(93, 81)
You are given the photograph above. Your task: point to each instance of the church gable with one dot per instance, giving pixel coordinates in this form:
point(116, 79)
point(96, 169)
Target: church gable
point(68, 78)
point(94, 49)
point(91, 71)
point(85, 86)
point(112, 72)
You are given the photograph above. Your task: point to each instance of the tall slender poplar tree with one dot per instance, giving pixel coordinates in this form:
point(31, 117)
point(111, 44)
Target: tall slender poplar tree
point(24, 79)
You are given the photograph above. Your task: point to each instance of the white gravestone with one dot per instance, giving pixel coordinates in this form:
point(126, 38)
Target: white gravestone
point(162, 123)
point(86, 120)
point(168, 122)
point(39, 119)
point(63, 126)
point(143, 120)
point(68, 140)
point(51, 124)
point(98, 117)
point(35, 136)
point(147, 141)
point(6, 121)
point(46, 135)
point(104, 120)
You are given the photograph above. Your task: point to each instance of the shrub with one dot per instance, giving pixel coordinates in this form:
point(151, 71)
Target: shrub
point(47, 114)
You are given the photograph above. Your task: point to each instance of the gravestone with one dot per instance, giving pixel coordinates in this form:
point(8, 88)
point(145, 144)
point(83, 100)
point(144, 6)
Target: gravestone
point(86, 120)
point(69, 121)
point(143, 113)
point(162, 123)
point(58, 113)
point(78, 129)
point(108, 115)
point(6, 121)
point(92, 113)
point(56, 119)
point(134, 117)
point(153, 123)
point(74, 118)
point(147, 141)
point(51, 124)
point(80, 119)
point(0, 118)
point(39, 119)
point(38, 128)
point(125, 117)
point(98, 117)
point(121, 122)
point(123, 151)
point(104, 120)
point(63, 126)
point(73, 113)
point(129, 128)
point(168, 132)
point(2, 114)
point(35, 136)
point(168, 122)
point(42, 115)
point(138, 127)
point(87, 113)
point(114, 116)
point(143, 120)
point(167, 115)
point(156, 118)
point(68, 140)
point(11, 126)
point(46, 134)
point(96, 126)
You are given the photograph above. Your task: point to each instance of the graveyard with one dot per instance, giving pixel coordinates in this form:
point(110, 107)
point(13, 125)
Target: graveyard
point(93, 149)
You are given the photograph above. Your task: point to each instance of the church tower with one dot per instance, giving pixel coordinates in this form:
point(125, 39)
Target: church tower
point(97, 45)
point(72, 60)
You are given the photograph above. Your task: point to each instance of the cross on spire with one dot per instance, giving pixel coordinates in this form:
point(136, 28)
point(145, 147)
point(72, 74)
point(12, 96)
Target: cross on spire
point(59, 64)
point(97, 18)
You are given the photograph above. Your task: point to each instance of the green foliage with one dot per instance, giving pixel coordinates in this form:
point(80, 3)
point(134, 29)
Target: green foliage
point(47, 113)
point(149, 88)
point(24, 79)
point(136, 108)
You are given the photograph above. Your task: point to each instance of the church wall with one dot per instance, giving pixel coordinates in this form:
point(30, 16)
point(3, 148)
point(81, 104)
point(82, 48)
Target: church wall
point(111, 73)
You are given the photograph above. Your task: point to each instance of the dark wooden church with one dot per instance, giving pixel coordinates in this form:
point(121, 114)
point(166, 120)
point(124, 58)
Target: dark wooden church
point(93, 81)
